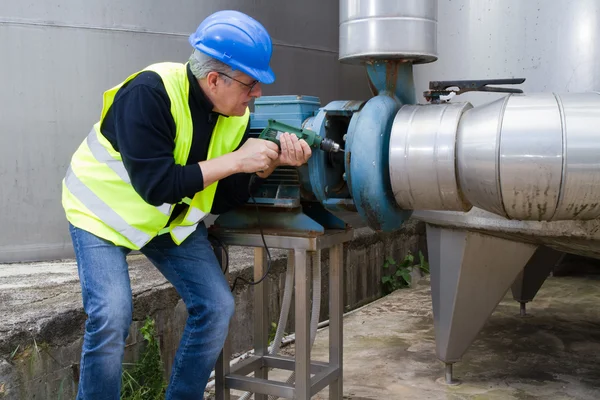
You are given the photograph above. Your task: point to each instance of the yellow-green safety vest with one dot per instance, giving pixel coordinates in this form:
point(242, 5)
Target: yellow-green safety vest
point(97, 194)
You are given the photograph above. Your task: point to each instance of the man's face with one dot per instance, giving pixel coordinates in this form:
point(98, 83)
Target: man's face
point(231, 93)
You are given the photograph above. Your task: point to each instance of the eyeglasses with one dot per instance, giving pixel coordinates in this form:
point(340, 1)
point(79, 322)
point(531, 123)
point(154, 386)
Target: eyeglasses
point(250, 86)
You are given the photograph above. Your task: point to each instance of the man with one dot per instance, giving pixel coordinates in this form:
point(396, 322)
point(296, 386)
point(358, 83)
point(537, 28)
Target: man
point(170, 147)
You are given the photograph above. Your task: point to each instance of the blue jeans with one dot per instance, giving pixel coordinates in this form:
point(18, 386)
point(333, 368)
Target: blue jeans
point(192, 269)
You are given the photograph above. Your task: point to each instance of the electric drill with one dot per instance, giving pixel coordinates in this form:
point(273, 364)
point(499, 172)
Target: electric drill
point(275, 129)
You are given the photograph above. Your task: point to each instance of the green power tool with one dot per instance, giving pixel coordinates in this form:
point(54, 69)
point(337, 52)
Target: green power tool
point(275, 129)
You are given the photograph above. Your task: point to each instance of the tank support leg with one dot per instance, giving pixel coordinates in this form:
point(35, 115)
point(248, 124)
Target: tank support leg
point(470, 274)
point(533, 276)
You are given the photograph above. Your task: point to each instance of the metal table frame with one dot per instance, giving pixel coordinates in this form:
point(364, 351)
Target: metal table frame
point(311, 376)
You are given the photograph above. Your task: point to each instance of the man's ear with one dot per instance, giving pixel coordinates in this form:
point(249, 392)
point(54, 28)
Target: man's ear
point(211, 80)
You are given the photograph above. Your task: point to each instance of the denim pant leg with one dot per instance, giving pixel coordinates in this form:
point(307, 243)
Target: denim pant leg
point(193, 270)
point(106, 292)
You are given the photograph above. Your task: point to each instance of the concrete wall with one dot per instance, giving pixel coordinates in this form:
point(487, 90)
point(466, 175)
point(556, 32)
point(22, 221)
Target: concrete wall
point(58, 56)
point(52, 368)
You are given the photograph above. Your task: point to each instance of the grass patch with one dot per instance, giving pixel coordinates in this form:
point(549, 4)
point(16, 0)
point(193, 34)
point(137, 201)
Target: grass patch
point(144, 380)
point(397, 275)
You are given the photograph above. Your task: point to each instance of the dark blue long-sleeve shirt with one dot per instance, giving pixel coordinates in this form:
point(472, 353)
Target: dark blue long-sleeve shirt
point(139, 125)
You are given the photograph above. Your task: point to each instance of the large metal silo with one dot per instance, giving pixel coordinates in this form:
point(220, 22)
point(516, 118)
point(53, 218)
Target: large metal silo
point(553, 44)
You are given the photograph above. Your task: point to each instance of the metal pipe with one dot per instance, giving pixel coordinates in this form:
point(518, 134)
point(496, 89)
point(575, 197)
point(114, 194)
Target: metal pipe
point(523, 309)
point(392, 78)
point(524, 157)
point(448, 373)
point(422, 157)
point(388, 30)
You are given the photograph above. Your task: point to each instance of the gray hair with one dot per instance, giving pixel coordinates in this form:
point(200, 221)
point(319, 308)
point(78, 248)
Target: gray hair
point(201, 64)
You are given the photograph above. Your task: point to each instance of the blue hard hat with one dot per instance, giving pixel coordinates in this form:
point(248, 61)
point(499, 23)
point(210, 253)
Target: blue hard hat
point(237, 40)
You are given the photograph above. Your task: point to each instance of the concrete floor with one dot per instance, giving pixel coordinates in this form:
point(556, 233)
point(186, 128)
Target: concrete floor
point(389, 348)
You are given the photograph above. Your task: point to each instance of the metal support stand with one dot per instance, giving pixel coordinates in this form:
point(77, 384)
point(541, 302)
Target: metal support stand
point(449, 378)
point(533, 276)
point(523, 309)
point(470, 274)
point(311, 376)
point(222, 365)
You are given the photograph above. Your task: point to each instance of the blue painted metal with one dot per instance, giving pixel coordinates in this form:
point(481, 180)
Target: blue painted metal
point(272, 220)
point(392, 77)
point(367, 164)
point(278, 195)
point(279, 198)
point(317, 212)
point(291, 110)
point(321, 176)
point(340, 205)
point(332, 186)
point(303, 173)
point(282, 189)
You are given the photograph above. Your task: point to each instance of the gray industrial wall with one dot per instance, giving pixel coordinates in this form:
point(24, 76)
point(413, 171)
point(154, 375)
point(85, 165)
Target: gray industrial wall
point(58, 56)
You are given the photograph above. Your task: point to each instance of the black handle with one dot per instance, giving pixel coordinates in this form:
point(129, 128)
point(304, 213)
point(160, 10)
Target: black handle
point(442, 88)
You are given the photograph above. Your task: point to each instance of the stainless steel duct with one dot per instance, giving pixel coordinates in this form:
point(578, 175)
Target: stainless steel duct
point(526, 157)
point(422, 157)
point(388, 30)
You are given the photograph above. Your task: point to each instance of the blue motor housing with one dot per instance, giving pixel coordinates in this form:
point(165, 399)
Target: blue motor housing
point(333, 190)
point(283, 187)
point(321, 183)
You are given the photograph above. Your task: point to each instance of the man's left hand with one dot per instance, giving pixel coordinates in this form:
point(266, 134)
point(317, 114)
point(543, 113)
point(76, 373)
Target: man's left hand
point(294, 152)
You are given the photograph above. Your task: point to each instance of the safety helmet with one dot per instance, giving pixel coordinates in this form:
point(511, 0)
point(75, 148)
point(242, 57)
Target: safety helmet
point(237, 40)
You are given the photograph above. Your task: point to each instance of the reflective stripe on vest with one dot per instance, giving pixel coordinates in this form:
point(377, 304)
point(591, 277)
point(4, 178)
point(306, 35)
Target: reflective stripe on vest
point(181, 232)
point(196, 215)
point(102, 155)
point(103, 211)
point(190, 221)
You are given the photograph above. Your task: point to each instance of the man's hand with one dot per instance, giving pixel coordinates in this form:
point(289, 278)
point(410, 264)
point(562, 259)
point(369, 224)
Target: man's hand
point(257, 155)
point(294, 152)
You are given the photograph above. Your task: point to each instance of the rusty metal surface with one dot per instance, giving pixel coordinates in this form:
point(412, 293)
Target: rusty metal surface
point(392, 78)
point(367, 164)
point(532, 157)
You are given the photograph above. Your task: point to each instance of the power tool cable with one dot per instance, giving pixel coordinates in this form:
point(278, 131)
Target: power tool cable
point(263, 240)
